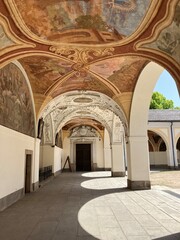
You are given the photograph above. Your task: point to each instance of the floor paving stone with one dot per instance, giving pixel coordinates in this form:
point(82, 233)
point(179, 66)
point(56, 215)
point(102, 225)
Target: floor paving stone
point(93, 206)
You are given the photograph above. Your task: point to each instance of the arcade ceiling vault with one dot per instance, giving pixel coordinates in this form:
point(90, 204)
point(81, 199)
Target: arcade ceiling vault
point(80, 55)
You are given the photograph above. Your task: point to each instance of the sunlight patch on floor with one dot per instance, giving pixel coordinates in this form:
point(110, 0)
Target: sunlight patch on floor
point(97, 174)
point(104, 183)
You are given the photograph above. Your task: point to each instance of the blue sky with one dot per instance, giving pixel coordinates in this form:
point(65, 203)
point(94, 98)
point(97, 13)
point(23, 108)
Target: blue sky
point(167, 86)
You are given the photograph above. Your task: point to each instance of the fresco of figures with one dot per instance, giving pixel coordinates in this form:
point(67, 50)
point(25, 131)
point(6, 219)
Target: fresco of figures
point(58, 16)
point(16, 109)
point(169, 38)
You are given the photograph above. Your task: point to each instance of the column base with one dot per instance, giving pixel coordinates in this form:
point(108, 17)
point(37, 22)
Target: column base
point(57, 173)
point(118, 174)
point(138, 185)
point(35, 186)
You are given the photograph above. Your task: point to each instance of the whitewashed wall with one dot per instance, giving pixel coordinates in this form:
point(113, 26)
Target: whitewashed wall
point(158, 158)
point(51, 156)
point(100, 153)
point(12, 160)
point(107, 150)
point(57, 159)
point(66, 151)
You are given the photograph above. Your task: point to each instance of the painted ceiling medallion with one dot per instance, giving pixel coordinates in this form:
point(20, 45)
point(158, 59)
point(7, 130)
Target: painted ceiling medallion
point(80, 21)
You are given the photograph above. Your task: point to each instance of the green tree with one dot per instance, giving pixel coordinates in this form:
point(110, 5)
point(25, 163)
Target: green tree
point(158, 101)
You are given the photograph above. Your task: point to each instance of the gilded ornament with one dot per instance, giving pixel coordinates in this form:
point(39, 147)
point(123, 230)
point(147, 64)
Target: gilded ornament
point(81, 55)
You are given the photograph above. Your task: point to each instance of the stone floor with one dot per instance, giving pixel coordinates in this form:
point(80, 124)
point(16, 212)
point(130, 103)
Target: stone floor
point(166, 178)
point(93, 206)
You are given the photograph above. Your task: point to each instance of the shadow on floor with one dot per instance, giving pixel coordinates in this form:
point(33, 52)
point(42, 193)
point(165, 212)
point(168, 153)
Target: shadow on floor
point(53, 212)
point(175, 236)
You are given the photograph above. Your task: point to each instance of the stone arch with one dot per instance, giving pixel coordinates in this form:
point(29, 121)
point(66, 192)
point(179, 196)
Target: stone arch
point(140, 102)
point(162, 135)
point(138, 161)
point(159, 158)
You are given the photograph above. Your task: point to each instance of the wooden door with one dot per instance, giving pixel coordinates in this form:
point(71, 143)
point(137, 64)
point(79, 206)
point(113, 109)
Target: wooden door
point(28, 173)
point(83, 157)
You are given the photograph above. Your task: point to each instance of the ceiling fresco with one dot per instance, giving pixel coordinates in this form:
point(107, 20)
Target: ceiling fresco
point(85, 82)
point(44, 71)
point(60, 19)
point(75, 122)
point(122, 71)
point(108, 76)
point(169, 39)
point(4, 40)
point(88, 45)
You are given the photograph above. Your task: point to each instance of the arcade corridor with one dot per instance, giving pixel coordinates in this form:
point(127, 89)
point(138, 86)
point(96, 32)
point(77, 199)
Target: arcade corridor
point(89, 206)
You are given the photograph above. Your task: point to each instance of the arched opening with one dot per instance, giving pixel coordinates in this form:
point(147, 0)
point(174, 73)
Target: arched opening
point(157, 151)
point(167, 86)
point(178, 151)
point(81, 119)
point(138, 161)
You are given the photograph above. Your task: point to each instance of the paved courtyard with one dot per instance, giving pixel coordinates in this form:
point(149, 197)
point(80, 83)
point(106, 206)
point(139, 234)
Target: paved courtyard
point(90, 206)
point(166, 178)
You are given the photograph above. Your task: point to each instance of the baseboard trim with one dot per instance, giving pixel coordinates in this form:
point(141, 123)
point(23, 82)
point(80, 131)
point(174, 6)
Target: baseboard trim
point(57, 173)
point(11, 198)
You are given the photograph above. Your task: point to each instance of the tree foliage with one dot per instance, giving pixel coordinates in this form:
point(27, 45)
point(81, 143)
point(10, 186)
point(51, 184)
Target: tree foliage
point(158, 101)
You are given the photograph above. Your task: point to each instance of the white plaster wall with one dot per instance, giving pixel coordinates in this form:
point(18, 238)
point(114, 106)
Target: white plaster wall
point(36, 160)
point(57, 159)
point(47, 155)
point(107, 150)
point(117, 158)
point(66, 151)
point(158, 158)
point(12, 160)
point(100, 153)
point(51, 156)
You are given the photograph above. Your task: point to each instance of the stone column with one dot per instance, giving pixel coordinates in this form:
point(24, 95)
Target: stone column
point(172, 153)
point(138, 163)
point(107, 151)
point(118, 165)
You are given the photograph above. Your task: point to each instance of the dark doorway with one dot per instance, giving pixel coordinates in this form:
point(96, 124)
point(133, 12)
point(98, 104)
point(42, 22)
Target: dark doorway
point(28, 174)
point(83, 157)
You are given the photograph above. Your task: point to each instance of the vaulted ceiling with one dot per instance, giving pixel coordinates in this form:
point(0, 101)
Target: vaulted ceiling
point(86, 45)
